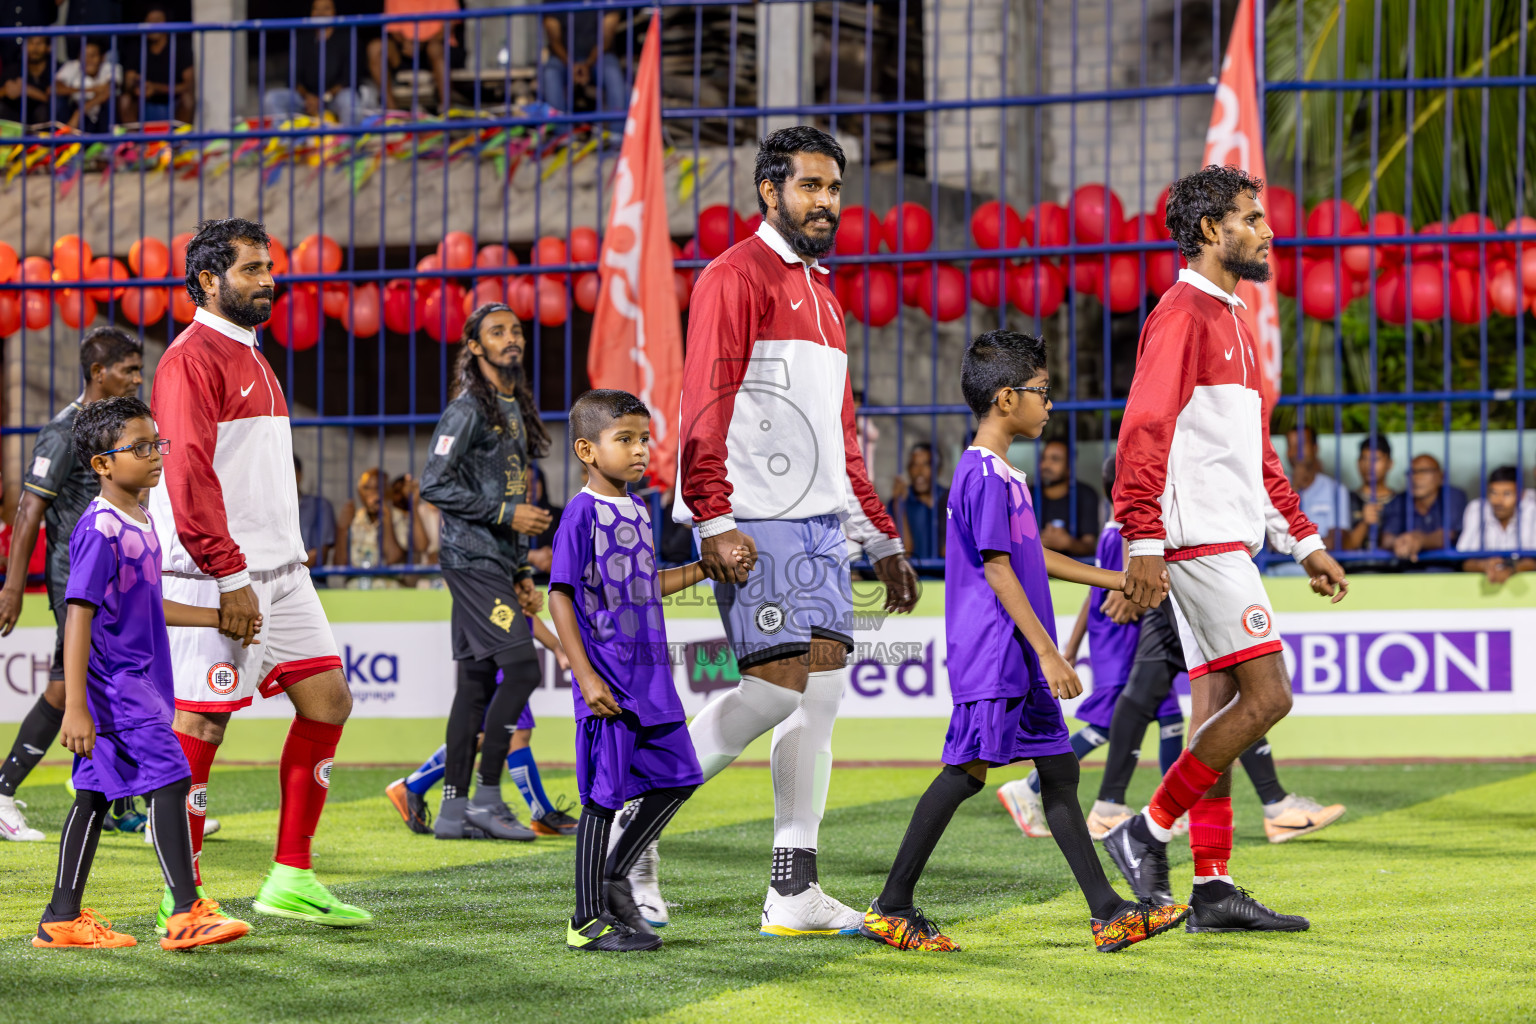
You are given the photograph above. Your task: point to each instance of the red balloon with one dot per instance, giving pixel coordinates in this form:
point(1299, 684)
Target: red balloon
point(144, 306)
point(105, 268)
point(552, 306)
point(1522, 226)
point(71, 257)
point(76, 308)
point(522, 294)
point(874, 301)
point(719, 229)
point(1470, 254)
point(397, 305)
point(1426, 291)
point(996, 225)
point(319, 254)
point(426, 265)
point(1392, 295)
point(34, 269)
point(988, 283)
point(1143, 227)
point(1388, 223)
point(278, 255)
point(1122, 290)
point(550, 251)
point(10, 314)
point(682, 287)
point(1283, 263)
point(1036, 288)
point(842, 283)
point(149, 258)
point(1505, 296)
point(1468, 297)
point(457, 250)
point(296, 319)
point(908, 228)
point(752, 223)
point(1097, 214)
point(1423, 251)
point(489, 289)
point(37, 309)
point(912, 278)
point(1280, 210)
point(1357, 259)
point(1328, 218)
point(942, 293)
point(7, 262)
point(1045, 224)
point(584, 245)
point(494, 257)
point(361, 314)
point(182, 309)
point(859, 231)
point(1088, 274)
point(334, 299)
point(1162, 271)
point(586, 289)
point(179, 254)
point(1322, 293)
point(1160, 210)
point(442, 313)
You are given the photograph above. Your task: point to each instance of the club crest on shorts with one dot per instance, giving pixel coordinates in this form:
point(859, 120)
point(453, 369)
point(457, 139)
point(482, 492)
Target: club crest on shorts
point(223, 678)
point(769, 618)
point(197, 799)
point(323, 773)
point(1256, 620)
point(502, 616)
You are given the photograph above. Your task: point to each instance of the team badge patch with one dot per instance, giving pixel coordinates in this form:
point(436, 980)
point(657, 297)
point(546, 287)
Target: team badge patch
point(323, 773)
point(444, 445)
point(502, 616)
point(1256, 620)
point(197, 800)
point(223, 678)
point(41, 464)
point(769, 618)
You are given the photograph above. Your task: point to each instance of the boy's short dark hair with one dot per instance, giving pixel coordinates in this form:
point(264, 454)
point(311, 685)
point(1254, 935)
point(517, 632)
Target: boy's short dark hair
point(1505, 475)
point(1209, 192)
point(100, 424)
point(1378, 442)
point(213, 249)
point(776, 157)
point(106, 346)
point(593, 412)
point(995, 360)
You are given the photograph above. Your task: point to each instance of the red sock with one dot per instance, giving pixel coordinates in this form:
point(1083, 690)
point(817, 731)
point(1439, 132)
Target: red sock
point(304, 775)
point(1210, 835)
point(200, 759)
point(1183, 784)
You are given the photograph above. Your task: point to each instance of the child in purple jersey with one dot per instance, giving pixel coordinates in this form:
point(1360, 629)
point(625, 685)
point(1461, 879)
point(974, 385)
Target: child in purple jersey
point(1006, 676)
point(118, 690)
point(632, 739)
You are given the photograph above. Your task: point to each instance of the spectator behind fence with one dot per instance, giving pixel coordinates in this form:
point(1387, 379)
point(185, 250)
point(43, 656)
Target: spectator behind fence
point(317, 522)
point(159, 78)
point(318, 85)
point(91, 12)
point(1324, 500)
point(87, 88)
point(586, 50)
point(426, 520)
point(1366, 504)
point(1425, 517)
point(28, 82)
point(1061, 529)
point(361, 544)
point(918, 504)
point(1502, 522)
point(413, 44)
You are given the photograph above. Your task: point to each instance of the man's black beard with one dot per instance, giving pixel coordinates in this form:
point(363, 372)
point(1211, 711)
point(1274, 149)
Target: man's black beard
point(1233, 262)
point(804, 244)
point(242, 311)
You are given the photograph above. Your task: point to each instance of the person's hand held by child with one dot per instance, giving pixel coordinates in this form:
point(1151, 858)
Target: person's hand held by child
point(1060, 676)
point(745, 557)
point(598, 696)
point(528, 596)
point(77, 732)
point(255, 631)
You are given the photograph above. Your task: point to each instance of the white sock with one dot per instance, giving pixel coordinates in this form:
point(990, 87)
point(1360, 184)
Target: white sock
point(802, 762)
point(1202, 879)
point(1162, 835)
point(737, 717)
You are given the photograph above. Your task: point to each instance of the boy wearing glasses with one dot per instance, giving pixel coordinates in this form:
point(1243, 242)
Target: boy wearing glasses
point(118, 688)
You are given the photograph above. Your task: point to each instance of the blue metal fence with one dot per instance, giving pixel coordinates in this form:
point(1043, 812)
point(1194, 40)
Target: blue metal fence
point(1025, 87)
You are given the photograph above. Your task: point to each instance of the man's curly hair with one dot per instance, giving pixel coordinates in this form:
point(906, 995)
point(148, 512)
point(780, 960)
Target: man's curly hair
point(1209, 192)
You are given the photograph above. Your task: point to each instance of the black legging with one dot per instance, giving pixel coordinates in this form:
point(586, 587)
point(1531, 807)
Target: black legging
point(476, 689)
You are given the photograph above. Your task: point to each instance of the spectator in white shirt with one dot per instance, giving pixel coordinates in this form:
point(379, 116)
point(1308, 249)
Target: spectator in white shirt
point(1503, 523)
point(1324, 500)
point(88, 84)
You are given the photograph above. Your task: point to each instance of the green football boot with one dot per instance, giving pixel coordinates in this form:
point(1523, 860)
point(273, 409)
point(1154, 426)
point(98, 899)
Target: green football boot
point(296, 893)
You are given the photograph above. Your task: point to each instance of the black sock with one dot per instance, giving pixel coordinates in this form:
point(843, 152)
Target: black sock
point(77, 848)
point(1145, 689)
point(519, 678)
point(591, 856)
point(1170, 740)
point(646, 821)
point(1058, 792)
point(793, 871)
point(476, 683)
point(37, 733)
point(173, 841)
point(952, 787)
point(1259, 763)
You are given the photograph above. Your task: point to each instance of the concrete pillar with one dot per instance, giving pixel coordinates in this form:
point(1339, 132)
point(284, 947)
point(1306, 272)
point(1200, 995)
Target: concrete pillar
point(783, 61)
point(221, 96)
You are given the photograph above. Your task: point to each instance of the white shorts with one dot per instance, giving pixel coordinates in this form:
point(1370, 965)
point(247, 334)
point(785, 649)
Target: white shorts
point(214, 673)
point(1223, 614)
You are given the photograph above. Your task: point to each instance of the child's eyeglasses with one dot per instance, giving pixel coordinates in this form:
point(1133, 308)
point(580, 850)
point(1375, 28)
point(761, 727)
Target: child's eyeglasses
point(1043, 392)
point(142, 449)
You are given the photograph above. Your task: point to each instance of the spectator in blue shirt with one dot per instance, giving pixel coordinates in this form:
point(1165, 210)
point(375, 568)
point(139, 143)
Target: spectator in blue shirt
point(317, 522)
point(918, 503)
point(1425, 517)
point(1324, 500)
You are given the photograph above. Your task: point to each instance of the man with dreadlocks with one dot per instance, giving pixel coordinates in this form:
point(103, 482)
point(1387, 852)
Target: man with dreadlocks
point(477, 476)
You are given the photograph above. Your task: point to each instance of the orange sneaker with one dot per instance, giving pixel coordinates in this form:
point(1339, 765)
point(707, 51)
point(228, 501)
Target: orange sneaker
point(1298, 816)
point(914, 932)
point(86, 930)
point(203, 925)
point(1141, 921)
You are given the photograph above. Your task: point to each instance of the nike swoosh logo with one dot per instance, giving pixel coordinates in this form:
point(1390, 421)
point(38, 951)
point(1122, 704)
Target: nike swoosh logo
point(1307, 825)
point(247, 389)
point(1229, 354)
point(320, 907)
point(797, 305)
point(1126, 842)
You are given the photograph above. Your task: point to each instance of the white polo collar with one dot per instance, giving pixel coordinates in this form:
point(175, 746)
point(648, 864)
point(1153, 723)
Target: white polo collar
point(229, 329)
point(610, 499)
point(1208, 286)
point(769, 234)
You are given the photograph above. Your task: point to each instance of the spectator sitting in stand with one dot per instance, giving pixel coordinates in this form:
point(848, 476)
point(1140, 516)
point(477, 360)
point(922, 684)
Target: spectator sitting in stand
point(416, 44)
point(1324, 500)
point(29, 84)
point(1061, 529)
point(87, 89)
point(1365, 505)
point(918, 504)
point(1425, 517)
point(426, 520)
point(317, 522)
point(1502, 522)
point(362, 544)
point(580, 54)
point(159, 78)
point(318, 86)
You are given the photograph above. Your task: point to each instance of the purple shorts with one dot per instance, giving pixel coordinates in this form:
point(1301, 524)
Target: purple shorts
point(525, 720)
point(1098, 708)
point(1002, 730)
point(132, 762)
point(618, 759)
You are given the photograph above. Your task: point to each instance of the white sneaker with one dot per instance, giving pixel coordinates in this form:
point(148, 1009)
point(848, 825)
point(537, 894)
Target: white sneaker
point(812, 912)
point(13, 825)
point(1024, 806)
point(646, 891)
point(210, 826)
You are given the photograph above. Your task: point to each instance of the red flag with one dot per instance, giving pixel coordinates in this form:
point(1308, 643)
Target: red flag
point(637, 341)
point(1236, 138)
